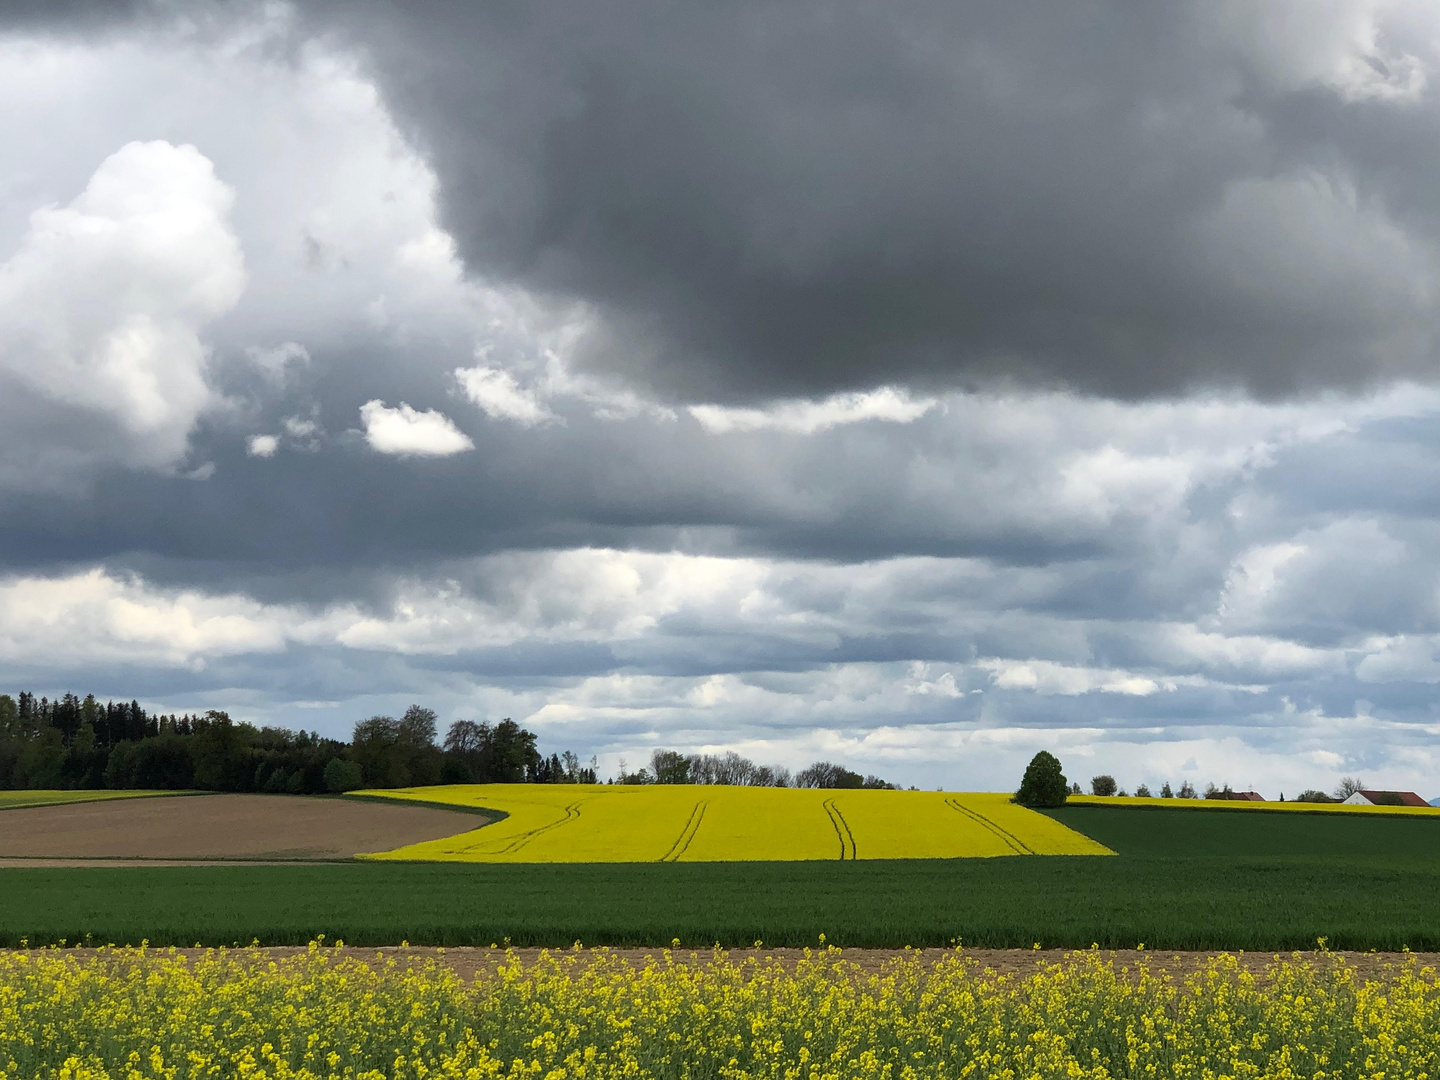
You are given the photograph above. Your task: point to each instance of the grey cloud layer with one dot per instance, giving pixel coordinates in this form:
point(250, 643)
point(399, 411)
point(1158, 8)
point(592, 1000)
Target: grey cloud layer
point(734, 206)
point(760, 200)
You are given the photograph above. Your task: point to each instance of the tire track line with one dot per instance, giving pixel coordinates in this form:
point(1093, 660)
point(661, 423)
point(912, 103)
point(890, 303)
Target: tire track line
point(1015, 843)
point(572, 813)
point(687, 834)
point(842, 829)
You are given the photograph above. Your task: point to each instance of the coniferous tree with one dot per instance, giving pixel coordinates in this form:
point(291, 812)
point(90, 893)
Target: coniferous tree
point(75, 742)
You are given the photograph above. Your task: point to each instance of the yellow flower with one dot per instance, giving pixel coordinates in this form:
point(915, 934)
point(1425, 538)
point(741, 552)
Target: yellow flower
point(140, 1014)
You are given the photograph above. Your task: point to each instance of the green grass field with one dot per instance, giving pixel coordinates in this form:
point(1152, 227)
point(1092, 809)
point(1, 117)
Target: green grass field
point(1224, 833)
point(1250, 902)
point(15, 800)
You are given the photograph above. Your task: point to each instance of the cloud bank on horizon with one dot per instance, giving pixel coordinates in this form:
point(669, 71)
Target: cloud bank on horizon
point(916, 389)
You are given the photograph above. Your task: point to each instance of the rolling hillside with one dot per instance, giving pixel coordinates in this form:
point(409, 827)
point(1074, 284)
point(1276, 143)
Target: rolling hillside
point(591, 823)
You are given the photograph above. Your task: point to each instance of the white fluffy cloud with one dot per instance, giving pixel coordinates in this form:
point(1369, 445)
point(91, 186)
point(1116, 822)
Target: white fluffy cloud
point(803, 417)
point(1403, 658)
point(1340, 47)
point(96, 616)
point(1047, 677)
point(103, 304)
point(407, 432)
point(797, 697)
point(501, 397)
point(672, 603)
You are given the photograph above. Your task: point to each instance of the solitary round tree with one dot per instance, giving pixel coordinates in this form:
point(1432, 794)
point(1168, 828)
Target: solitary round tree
point(1044, 784)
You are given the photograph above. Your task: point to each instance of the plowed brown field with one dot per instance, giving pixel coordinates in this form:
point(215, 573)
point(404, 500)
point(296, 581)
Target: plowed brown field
point(209, 827)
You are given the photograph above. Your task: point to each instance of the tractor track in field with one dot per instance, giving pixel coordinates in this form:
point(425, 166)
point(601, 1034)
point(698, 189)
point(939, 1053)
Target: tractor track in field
point(572, 813)
point(687, 834)
point(1014, 842)
point(842, 830)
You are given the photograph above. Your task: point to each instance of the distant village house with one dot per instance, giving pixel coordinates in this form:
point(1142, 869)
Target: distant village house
point(1385, 798)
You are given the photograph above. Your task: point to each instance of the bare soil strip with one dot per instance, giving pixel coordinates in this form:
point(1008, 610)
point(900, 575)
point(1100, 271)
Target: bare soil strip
point(23, 862)
point(277, 828)
point(471, 963)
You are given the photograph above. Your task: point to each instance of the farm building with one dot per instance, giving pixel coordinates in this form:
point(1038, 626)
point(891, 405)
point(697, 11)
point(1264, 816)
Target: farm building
point(1385, 798)
point(1248, 796)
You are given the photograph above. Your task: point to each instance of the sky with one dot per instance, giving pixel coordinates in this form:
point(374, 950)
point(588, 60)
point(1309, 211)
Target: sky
point(913, 387)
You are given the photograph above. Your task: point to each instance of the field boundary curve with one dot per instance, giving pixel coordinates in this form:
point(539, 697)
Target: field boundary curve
point(687, 834)
point(1015, 843)
point(15, 799)
point(842, 830)
point(495, 814)
point(572, 813)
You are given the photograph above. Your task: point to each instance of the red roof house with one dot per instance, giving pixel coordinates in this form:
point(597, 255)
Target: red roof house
point(1385, 798)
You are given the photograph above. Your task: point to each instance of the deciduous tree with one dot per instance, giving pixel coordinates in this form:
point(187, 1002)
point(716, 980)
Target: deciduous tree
point(1043, 783)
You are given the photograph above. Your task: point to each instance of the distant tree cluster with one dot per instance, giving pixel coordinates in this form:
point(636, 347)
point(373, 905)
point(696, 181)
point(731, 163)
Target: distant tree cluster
point(1045, 785)
point(79, 743)
point(1348, 786)
point(1106, 785)
point(673, 767)
point(825, 775)
point(477, 753)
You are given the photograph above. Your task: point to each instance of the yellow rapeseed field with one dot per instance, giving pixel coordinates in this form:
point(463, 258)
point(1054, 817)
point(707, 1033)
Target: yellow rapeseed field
point(132, 1015)
point(1219, 804)
point(603, 823)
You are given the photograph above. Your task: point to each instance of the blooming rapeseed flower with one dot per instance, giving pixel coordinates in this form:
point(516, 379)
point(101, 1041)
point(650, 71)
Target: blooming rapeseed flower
point(140, 1015)
point(703, 823)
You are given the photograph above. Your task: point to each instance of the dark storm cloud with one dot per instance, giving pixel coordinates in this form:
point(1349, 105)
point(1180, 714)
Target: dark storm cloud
point(318, 526)
point(790, 200)
point(72, 14)
point(756, 201)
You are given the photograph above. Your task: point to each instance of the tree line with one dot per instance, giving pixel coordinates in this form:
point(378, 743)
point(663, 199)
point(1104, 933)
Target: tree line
point(1044, 785)
point(673, 767)
point(1106, 785)
point(75, 742)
